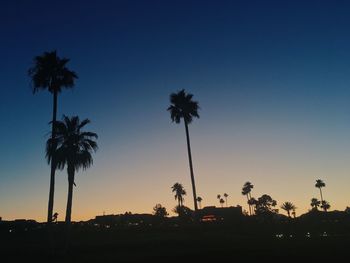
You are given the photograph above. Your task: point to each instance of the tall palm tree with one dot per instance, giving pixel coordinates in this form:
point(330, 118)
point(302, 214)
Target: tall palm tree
point(226, 195)
point(288, 206)
point(72, 148)
point(183, 107)
point(246, 190)
point(319, 184)
point(50, 72)
point(199, 200)
point(180, 192)
point(315, 203)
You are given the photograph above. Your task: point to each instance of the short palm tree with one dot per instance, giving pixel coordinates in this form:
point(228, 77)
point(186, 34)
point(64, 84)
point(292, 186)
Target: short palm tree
point(218, 197)
point(222, 201)
point(246, 190)
point(288, 206)
point(50, 73)
point(226, 195)
point(319, 184)
point(72, 148)
point(180, 192)
point(325, 205)
point(199, 200)
point(183, 107)
point(315, 203)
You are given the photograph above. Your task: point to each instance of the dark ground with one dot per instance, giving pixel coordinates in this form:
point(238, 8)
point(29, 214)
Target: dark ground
point(171, 244)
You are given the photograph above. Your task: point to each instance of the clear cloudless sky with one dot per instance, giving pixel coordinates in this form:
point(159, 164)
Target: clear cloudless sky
point(272, 79)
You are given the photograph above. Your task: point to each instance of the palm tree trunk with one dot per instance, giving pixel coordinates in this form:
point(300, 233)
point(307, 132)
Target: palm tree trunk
point(321, 195)
point(191, 167)
point(53, 162)
point(226, 201)
point(70, 195)
point(250, 209)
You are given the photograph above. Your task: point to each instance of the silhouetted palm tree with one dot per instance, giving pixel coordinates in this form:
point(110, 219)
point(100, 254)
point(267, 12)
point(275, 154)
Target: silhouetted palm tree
point(246, 190)
point(199, 200)
point(315, 203)
point(325, 205)
point(226, 195)
point(319, 184)
point(218, 197)
point(222, 201)
point(179, 191)
point(72, 148)
point(183, 107)
point(288, 206)
point(51, 73)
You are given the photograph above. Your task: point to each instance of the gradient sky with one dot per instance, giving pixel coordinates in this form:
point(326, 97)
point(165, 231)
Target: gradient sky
point(272, 79)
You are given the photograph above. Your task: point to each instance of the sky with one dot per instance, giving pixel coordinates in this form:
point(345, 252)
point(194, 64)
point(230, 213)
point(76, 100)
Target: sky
point(272, 79)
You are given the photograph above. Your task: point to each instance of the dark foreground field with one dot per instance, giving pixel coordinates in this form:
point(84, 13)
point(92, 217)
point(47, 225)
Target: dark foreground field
point(170, 244)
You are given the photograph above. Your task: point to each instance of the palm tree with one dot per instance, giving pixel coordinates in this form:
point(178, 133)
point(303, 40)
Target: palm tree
point(226, 195)
point(288, 206)
point(315, 203)
point(319, 184)
point(325, 205)
point(218, 197)
point(222, 201)
point(72, 148)
point(183, 107)
point(199, 200)
point(246, 190)
point(179, 191)
point(51, 73)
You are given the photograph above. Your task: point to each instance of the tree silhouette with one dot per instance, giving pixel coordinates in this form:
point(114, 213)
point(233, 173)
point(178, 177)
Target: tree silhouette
point(72, 148)
point(246, 190)
point(160, 211)
point(265, 205)
point(222, 201)
point(325, 205)
point(226, 195)
point(218, 197)
point(288, 206)
point(319, 184)
point(184, 213)
point(179, 191)
point(199, 200)
point(315, 203)
point(183, 107)
point(51, 73)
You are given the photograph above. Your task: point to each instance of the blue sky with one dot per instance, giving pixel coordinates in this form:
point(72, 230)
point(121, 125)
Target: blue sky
point(272, 79)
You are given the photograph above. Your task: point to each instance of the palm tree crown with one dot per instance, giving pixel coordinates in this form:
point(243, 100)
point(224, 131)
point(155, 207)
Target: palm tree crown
point(50, 72)
point(315, 203)
point(183, 107)
point(319, 183)
point(74, 147)
point(288, 206)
